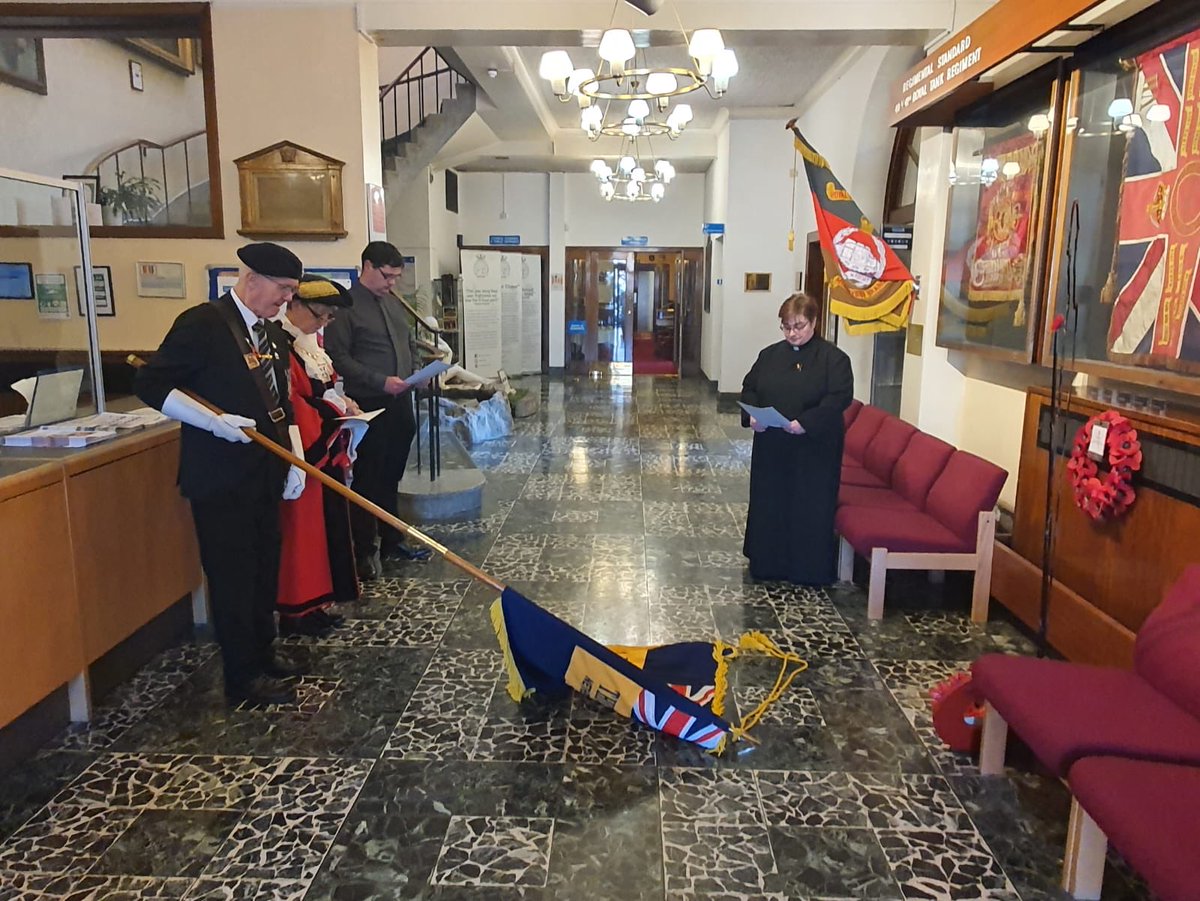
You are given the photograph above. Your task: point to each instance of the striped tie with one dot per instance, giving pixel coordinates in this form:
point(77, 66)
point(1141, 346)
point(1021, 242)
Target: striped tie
point(265, 350)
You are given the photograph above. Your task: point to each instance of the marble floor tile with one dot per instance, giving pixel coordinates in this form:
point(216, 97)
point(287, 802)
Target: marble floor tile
point(405, 771)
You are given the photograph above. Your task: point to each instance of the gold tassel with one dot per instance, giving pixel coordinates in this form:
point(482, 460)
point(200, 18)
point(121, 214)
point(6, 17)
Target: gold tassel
point(791, 666)
point(517, 690)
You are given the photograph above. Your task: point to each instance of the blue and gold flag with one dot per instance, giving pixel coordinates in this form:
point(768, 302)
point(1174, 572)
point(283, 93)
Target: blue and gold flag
point(678, 689)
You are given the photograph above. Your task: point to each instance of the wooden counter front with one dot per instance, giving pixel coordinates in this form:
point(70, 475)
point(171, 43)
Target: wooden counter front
point(135, 544)
point(97, 543)
point(41, 644)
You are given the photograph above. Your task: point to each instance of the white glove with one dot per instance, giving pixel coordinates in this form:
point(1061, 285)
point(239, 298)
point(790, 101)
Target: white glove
point(296, 477)
point(183, 408)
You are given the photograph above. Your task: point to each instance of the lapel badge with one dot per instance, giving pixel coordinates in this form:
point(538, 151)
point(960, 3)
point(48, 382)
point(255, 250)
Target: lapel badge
point(251, 360)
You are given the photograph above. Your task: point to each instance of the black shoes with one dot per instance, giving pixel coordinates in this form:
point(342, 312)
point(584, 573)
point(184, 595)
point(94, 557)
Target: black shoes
point(317, 624)
point(283, 668)
point(259, 692)
point(369, 568)
point(404, 552)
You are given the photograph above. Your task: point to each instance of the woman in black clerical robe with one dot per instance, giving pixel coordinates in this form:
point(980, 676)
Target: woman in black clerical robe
point(795, 472)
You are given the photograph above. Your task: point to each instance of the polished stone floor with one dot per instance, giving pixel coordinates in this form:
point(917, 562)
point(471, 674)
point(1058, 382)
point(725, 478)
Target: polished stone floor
point(404, 771)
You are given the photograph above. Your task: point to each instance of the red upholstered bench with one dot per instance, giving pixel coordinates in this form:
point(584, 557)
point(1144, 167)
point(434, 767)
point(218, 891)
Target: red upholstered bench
point(1067, 711)
point(911, 501)
point(1148, 811)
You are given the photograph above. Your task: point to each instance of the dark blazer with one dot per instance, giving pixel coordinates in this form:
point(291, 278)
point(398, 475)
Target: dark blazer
point(200, 353)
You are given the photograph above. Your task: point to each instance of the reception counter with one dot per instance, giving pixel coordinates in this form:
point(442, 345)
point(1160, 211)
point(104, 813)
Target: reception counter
point(97, 542)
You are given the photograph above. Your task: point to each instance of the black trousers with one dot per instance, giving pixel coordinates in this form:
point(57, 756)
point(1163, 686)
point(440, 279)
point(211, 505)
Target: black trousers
point(379, 467)
point(239, 539)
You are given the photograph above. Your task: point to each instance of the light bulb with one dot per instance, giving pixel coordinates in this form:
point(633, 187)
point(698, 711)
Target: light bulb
point(556, 68)
point(639, 109)
point(633, 189)
point(1011, 168)
point(1159, 112)
point(616, 46)
point(1129, 123)
point(991, 164)
point(657, 191)
point(577, 79)
point(597, 168)
point(625, 166)
point(683, 112)
point(607, 190)
point(661, 83)
point(1039, 123)
point(638, 174)
point(660, 167)
point(705, 44)
point(1120, 107)
point(631, 128)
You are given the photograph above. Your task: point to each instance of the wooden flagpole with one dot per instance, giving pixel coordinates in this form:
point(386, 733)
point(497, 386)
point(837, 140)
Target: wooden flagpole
point(352, 496)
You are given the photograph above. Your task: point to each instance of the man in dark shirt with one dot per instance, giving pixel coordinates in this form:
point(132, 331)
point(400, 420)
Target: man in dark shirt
point(373, 348)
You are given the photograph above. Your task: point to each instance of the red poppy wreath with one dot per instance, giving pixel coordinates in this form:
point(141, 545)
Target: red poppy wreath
point(1107, 493)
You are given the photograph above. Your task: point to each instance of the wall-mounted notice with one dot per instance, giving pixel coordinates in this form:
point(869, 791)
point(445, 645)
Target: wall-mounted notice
point(531, 312)
point(510, 312)
point(481, 311)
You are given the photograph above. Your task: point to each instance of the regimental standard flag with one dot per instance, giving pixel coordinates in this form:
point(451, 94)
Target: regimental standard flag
point(678, 689)
point(1153, 284)
point(868, 285)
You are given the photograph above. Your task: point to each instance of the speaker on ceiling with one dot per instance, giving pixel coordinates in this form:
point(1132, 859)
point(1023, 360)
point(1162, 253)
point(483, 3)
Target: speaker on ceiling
point(649, 7)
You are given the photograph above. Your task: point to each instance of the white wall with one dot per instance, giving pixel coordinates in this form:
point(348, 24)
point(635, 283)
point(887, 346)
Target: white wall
point(757, 222)
point(591, 221)
point(90, 110)
point(504, 203)
point(716, 209)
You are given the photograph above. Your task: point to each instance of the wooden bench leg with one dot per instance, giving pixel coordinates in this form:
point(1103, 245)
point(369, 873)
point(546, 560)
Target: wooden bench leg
point(878, 583)
point(981, 587)
point(845, 560)
point(1083, 862)
point(993, 742)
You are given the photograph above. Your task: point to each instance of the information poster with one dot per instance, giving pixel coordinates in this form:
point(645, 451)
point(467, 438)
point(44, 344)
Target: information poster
point(510, 312)
point(481, 311)
point(51, 292)
point(531, 313)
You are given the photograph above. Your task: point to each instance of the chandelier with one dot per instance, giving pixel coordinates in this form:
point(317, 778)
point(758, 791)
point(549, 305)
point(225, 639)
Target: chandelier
point(631, 180)
point(623, 76)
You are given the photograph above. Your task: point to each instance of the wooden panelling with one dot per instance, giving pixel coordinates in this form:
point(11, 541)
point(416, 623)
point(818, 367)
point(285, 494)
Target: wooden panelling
point(41, 645)
point(135, 545)
point(1077, 630)
point(1118, 570)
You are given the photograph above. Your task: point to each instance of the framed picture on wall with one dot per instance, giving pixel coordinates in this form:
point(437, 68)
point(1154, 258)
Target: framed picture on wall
point(758, 281)
point(101, 285)
point(23, 63)
point(178, 54)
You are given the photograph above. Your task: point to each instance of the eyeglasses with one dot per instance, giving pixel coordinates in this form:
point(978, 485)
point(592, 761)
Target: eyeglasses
point(786, 327)
point(283, 284)
point(390, 274)
point(324, 317)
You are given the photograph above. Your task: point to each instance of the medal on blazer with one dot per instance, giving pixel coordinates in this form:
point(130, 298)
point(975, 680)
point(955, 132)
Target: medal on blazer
point(251, 360)
point(799, 366)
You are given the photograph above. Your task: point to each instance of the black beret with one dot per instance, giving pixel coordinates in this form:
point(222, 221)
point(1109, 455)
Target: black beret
point(318, 289)
point(270, 259)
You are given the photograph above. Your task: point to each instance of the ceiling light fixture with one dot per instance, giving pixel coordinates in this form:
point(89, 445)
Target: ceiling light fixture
point(623, 75)
point(632, 180)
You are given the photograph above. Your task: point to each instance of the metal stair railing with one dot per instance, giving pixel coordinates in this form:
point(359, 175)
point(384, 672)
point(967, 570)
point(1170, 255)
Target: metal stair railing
point(415, 94)
point(171, 165)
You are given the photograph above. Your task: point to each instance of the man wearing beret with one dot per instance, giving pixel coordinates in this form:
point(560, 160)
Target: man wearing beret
point(373, 347)
point(232, 355)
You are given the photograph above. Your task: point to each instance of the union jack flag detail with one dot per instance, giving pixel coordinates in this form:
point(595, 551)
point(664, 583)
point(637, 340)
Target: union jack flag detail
point(666, 718)
point(701, 694)
point(1155, 317)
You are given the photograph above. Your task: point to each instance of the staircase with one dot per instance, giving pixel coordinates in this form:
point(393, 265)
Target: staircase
point(419, 112)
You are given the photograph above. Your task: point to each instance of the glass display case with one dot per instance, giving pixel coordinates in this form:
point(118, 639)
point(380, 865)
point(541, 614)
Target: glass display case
point(47, 306)
point(994, 243)
point(1129, 220)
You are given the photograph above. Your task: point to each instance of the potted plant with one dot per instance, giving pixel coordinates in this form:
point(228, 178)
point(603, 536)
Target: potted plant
point(133, 199)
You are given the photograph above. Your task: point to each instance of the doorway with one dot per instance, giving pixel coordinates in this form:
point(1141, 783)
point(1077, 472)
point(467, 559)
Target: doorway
point(633, 312)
